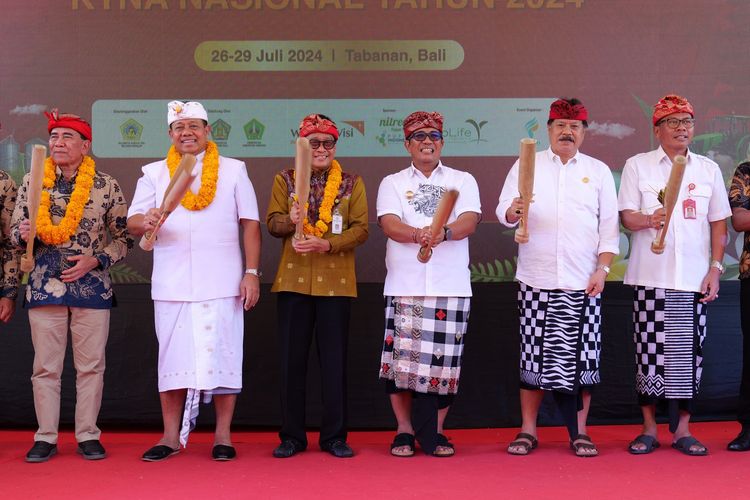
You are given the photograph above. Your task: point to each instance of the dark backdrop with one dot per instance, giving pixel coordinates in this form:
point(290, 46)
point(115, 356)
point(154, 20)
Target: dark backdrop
point(489, 384)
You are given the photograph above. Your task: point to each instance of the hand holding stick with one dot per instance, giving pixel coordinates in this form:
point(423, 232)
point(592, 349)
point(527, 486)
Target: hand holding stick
point(178, 186)
point(442, 213)
point(302, 168)
point(671, 193)
point(526, 165)
point(38, 154)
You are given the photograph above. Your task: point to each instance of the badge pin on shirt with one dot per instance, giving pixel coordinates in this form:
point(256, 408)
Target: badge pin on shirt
point(688, 205)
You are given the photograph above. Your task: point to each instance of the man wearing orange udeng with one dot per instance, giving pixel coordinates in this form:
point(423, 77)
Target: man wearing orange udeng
point(70, 286)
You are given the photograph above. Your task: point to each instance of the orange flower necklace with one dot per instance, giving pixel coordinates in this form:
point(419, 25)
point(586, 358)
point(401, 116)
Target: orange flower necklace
point(46, 230)
point(326, 206)
point(209, 177)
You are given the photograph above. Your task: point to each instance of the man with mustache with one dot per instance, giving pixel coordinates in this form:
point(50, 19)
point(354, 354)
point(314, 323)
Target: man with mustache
point(426, 305)
point(573, 237)
point(672, 289)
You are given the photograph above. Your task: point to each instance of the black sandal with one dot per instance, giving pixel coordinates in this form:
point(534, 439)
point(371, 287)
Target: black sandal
point(649, 442)
point(525, 441)
point(447, 447)
point(400, 441)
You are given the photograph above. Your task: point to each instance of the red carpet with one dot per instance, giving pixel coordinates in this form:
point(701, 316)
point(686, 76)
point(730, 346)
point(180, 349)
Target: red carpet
point(480, 469)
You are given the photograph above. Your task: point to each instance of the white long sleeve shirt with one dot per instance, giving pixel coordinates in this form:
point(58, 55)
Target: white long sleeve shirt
point(572, 220)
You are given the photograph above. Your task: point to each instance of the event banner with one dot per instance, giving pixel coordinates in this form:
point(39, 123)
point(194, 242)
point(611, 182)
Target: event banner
point(368, 127)
point(491, 67)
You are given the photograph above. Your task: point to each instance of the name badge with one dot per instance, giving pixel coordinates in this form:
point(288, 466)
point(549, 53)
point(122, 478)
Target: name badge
point(688, 208)
point(337, 222)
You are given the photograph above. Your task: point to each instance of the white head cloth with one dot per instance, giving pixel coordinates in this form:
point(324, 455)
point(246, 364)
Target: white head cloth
point(178, 110)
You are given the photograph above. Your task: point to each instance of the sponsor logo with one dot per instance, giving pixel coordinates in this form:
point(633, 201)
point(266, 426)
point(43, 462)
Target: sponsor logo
point(478, 128)
point(131, 132)
point(254, 130)
point(220, 130)
point(531, 127)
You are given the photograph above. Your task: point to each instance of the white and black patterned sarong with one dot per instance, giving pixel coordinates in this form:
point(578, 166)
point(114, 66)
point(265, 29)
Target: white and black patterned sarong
point(670, 328)
point(424, 343)
point(560, 338)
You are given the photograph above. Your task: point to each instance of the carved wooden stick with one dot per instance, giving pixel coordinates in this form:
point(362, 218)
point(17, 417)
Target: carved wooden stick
point(34, 193)
point(526, 164)
point(302, 170)
point(671, 193)
point(442, 214)
point(178, 186)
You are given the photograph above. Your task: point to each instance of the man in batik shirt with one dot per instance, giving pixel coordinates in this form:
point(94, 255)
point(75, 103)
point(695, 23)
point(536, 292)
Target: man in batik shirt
point(80, 234)
point(9, 253)
point(739, 200)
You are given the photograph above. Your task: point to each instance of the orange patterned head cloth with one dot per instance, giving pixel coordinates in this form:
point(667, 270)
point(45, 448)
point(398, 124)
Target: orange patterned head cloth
point(670, 104)
point(75, 122)
point(422, 119)
point(317, 123)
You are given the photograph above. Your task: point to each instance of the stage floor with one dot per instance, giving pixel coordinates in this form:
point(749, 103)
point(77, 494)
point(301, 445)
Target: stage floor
point(480, 469)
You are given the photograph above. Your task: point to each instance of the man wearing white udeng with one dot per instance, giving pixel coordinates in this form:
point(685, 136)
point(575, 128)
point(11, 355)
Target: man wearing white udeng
point(198, 286)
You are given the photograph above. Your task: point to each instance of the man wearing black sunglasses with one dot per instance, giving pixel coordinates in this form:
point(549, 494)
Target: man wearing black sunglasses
point(426, 305)
point(315, 283)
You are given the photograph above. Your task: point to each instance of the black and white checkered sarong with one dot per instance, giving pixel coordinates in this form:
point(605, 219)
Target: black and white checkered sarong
point(560, 338)
point(670, 328)
point(424, 342)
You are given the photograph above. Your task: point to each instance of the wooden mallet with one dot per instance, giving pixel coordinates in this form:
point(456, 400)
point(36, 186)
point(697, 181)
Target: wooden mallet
point(526, 165)
point(34, 194)
point(442, 214)
point(671, 193)
point(178, 186)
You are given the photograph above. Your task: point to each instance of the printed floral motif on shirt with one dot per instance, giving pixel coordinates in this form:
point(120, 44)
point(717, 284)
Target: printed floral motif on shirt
point(425, 200)
point(739, 196)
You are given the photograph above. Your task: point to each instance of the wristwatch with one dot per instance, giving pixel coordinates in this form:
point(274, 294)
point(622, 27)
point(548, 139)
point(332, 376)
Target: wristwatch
point(603, 268)
point(448, 233)
point(254, 272)
point(718, 265)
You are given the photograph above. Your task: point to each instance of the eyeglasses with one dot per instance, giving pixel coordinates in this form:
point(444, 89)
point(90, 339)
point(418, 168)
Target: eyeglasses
point(421, 136)
point(329, 144)
point(675, 122)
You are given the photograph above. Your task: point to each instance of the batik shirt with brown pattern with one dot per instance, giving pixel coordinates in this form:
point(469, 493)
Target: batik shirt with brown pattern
point(739, 197)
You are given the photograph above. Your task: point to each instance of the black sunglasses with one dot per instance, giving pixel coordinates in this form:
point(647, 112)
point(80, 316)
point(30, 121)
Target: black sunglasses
point(329, 144)
point(421, 136)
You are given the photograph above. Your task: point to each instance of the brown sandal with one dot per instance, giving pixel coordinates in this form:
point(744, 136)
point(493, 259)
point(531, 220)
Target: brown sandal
point(582, 445)
point(525, 441)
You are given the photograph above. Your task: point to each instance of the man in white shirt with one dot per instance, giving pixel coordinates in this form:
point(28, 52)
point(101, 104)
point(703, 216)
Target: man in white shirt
point(573, 237)
point(198, 285)
point(672, 288)
point(426, 305)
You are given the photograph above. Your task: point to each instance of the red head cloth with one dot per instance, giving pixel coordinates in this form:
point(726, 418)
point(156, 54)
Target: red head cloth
point(422, 119)
point(670, 104)
point(68, 121)
point(563, 110)
point(316, 123)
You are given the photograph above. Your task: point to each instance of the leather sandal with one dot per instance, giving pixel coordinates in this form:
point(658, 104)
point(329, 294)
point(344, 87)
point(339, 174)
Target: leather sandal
point(525, 441)
point(406, 443)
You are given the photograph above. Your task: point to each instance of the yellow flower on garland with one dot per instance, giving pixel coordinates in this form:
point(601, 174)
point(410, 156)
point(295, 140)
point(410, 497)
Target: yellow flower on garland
point(329, 197)
point(46, 230)
point(209, 177)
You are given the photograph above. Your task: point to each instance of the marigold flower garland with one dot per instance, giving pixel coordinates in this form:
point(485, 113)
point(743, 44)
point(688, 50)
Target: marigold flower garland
point(209, 177)
point(46, 230)
point(326, 206)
